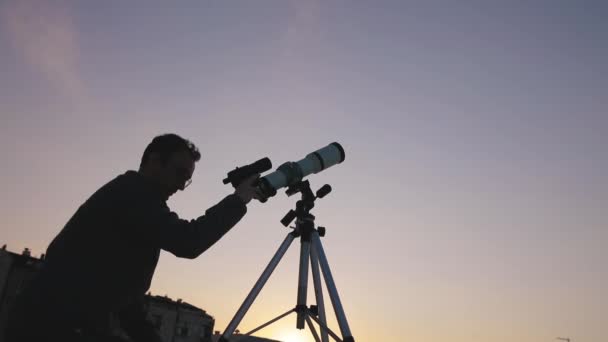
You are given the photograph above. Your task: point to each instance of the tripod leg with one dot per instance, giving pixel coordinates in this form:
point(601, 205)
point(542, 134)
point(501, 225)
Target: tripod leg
point(316, 276)
point(257, 288)
point(331, 333)
point(302, 282)
point(312, 329)
point(331, 288)
point(269, 322)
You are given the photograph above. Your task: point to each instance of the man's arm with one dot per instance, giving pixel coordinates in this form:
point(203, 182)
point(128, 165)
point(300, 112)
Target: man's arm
point(187, 239)
point(151, 220)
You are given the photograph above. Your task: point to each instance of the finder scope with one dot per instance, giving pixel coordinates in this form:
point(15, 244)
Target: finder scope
point(236, 176)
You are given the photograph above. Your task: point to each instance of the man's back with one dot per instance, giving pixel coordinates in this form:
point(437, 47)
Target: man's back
point(103, 260)
point(100, 260)
point(97, 264)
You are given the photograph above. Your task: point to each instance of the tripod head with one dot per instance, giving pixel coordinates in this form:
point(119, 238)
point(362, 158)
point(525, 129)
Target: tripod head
point(304, 205)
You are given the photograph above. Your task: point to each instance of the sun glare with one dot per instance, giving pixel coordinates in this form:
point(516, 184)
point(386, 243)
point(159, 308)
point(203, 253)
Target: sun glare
point(293, 336)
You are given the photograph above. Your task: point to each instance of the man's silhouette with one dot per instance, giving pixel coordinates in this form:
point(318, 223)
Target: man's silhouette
point(99, 267)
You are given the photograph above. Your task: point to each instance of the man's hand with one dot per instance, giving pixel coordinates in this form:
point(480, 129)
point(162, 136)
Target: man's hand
point(247, 190)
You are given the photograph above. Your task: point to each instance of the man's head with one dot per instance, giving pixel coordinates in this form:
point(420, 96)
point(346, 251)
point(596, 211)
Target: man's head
point(169, 161)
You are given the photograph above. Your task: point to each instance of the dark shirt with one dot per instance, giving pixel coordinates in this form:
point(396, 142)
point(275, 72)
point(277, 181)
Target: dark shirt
point(103, 260)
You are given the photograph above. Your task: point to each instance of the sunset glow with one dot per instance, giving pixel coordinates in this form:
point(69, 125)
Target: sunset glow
point(471, 205)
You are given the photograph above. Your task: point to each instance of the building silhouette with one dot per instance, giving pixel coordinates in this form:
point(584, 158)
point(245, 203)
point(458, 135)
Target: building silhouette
point(178, 321)
point(16, 270)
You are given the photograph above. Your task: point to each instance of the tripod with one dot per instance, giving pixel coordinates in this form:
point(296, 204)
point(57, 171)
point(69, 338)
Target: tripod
point(310, 249)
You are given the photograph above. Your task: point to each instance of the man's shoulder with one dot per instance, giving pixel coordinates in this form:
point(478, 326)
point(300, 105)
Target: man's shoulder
point(128, 178)
point(126, 191)
point(120, 186)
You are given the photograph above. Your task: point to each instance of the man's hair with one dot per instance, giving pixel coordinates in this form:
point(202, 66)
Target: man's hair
point(167, 144)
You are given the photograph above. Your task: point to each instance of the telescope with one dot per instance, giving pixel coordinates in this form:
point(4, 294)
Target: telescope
point(290, 173)
point(312, 254)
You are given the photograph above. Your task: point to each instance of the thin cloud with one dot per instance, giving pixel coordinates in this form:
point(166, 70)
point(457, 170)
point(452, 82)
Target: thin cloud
point(43, 33)
point(302, 33)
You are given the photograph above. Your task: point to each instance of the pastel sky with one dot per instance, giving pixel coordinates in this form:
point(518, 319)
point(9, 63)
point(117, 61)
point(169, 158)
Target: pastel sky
point(472, 202)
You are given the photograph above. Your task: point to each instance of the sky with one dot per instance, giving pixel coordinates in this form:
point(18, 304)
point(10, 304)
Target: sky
point(471, 205)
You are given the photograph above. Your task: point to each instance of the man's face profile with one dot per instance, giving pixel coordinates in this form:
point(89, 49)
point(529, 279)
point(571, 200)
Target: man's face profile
point(173, 175)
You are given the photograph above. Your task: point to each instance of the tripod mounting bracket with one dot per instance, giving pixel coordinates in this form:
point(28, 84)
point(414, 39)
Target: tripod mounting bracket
point(306, 203)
